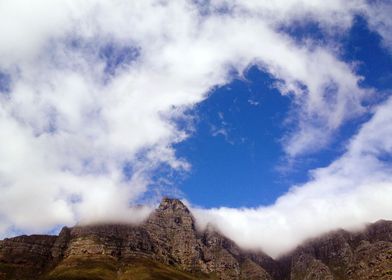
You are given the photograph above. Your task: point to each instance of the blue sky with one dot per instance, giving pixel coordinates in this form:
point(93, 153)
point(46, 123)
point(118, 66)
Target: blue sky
point(235, 159)
point(236, 151)
point(271, 119)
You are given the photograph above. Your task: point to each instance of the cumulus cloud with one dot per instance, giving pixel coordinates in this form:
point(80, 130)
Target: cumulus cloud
point(95, 86)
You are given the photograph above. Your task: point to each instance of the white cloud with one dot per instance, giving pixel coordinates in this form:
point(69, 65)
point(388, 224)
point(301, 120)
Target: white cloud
point(379, 19)
point(67, 127)
point(353, 190)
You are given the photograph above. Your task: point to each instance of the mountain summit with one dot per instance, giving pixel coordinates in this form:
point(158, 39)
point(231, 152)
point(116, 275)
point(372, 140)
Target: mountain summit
point(168, 246)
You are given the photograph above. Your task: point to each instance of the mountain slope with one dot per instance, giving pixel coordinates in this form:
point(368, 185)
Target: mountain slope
point(345, 255)
point(168, 246)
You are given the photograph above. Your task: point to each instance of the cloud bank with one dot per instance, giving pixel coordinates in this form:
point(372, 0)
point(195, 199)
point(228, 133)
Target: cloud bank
point(92, 92)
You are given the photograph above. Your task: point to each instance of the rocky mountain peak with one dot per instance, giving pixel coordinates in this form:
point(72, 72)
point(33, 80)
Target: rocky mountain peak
point(172, 204)
point(172, 213)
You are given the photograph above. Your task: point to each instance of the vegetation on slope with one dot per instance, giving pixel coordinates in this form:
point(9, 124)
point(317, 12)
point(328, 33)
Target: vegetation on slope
point(106, 268)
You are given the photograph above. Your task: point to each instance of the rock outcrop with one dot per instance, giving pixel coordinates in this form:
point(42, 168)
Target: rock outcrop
point(344, 255)
point(168, 246)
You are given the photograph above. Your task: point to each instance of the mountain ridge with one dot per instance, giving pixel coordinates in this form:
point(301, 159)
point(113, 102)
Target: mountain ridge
point(168, 246)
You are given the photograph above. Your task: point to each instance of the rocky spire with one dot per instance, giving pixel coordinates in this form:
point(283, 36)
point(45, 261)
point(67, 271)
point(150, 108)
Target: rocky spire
point(173, 227)
point(172, 213)
point(173, 204)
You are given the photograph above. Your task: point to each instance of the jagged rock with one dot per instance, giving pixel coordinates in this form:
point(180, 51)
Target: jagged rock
point(306, 267)
point(252, 271)
point(168, 246)
point(344, 255)
point(25, 256)
point(172, 229)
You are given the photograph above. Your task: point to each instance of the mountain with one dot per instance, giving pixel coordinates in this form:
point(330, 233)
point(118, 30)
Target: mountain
point(168, 246)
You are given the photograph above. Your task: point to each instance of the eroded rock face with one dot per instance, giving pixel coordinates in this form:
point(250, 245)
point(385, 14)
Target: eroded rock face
point(172, 229)
point(169, 237)
point(306, 267)
point(25, 256)
point(344, 255)
point(29, 250)
point(176, 241)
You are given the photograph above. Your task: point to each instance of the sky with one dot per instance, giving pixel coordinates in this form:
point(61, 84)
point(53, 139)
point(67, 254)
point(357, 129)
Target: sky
point(272, 120)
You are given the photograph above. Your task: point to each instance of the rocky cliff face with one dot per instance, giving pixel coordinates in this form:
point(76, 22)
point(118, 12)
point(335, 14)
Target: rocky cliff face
point(344, 255)
point(168, 246)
